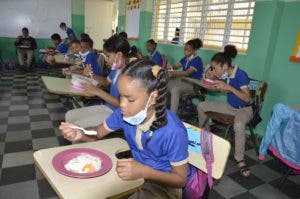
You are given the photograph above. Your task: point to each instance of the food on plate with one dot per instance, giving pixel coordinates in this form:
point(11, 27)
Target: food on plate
point(78, 80)
point(84, 163)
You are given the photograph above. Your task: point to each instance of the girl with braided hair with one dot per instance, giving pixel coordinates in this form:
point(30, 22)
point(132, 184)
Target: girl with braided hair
point(157, 138)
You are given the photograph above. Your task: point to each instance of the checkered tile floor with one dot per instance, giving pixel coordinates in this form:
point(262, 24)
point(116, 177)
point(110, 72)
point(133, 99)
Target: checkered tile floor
point(29, 119)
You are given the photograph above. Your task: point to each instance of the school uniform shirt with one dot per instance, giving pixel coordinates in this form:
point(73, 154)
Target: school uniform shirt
point(113, 78)
point(92, 59)
point(62, 47)
point(238, 79)
point(156, 58)
point(69, 31)
point(168, 145)
point(195, 62)
point(175, 40)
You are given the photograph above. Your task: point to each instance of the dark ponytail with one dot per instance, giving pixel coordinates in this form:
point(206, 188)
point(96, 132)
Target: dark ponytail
point(142, 70)
point(230, 51)
point(196, 44)
point(225, 57)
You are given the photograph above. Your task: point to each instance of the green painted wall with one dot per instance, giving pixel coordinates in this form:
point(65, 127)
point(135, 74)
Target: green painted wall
point(273, 33)
point(7, 44)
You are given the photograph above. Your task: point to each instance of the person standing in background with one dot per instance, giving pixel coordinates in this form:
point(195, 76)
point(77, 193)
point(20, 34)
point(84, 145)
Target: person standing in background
point(69, 31)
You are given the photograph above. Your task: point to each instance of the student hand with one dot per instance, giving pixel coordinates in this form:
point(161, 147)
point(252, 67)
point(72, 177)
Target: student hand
point(90, 88)
point(221, 85)
point(169, 66)
point(129, 169)
point(67, 72)
point(69, 133)
point(171, 73)
point(88, 71)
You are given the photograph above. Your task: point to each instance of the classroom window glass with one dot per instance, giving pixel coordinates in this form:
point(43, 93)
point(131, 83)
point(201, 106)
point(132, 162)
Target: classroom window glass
point(216, 22)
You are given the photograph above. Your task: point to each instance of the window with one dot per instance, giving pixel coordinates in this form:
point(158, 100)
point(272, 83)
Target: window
point(216, 22)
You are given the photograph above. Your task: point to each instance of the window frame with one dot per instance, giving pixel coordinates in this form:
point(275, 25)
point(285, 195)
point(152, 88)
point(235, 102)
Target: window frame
point(229, 21)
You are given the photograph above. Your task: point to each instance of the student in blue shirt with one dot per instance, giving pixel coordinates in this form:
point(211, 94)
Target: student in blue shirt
point(155, 56)
point(157, 138)
point(235, 82)
point(116, 50)
point(60, 47)
point(192, 67)
point(70, 33)
point(89, 59)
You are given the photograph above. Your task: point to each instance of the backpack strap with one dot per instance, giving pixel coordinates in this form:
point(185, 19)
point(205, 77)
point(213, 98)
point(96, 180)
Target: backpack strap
point(207, 152)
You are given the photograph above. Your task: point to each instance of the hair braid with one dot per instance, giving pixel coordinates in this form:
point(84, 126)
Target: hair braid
point(160, 106)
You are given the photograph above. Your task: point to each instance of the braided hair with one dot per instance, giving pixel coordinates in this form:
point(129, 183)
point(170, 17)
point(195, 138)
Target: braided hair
point(142, 70)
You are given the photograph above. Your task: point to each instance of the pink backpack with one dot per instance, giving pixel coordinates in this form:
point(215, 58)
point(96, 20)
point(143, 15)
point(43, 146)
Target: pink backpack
point(197, 181)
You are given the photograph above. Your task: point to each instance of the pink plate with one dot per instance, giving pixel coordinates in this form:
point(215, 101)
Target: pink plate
point(62, 158)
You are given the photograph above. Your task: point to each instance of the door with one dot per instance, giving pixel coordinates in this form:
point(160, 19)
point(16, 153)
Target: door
point(99, 20)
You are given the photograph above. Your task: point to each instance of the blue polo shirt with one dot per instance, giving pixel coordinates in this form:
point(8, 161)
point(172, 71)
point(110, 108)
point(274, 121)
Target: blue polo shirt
point(91, 58)
point(168, 146)
point(195, 62)
point(62, 47)
point(156, 58)
point(69, 32)
point(238, 80)
point(113, 78)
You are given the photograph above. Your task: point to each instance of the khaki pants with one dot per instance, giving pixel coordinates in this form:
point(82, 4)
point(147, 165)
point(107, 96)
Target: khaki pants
point(29, 54)
point(152, 190)
point(241, 118)
point(178, 88)
point(88, 116)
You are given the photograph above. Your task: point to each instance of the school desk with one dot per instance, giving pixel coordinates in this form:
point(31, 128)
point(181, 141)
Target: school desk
point(23, 47)
point(110, 184)
point(221, 149)
point(60, 59)
point(198, 83)
point(103, 186)
point(61, 86)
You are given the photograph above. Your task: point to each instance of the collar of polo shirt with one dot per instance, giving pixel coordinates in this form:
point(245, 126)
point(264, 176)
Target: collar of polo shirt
point(144, 127)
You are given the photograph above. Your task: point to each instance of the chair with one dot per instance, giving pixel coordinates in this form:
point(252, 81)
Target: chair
point(164, 59)
point(258, 90)
point(282, 138)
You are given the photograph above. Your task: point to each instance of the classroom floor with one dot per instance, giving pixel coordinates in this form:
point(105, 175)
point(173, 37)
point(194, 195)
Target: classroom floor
point(29, 119)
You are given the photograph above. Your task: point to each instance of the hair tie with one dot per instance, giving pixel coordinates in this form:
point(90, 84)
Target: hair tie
point(155, 70)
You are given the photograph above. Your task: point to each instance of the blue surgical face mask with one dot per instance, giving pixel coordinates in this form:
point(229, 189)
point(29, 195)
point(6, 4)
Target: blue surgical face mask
point(139, 117)
point(224, 76)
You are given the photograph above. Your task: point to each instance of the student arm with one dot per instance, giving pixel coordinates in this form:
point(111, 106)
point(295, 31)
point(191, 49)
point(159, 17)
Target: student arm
point(90, 88)
point(186, 73)
point(243, 94)
point(77, 135)
point(129, 169)
point(72, 37)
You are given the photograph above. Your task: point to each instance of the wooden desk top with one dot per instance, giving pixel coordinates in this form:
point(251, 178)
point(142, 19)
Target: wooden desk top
point(60, 59)
point(103, 186)
point(221, 149)
point(61, 86)
point(198, 83)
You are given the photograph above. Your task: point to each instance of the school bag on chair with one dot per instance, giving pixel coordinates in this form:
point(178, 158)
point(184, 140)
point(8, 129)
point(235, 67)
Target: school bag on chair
point(11, 65)
point(196, 186)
